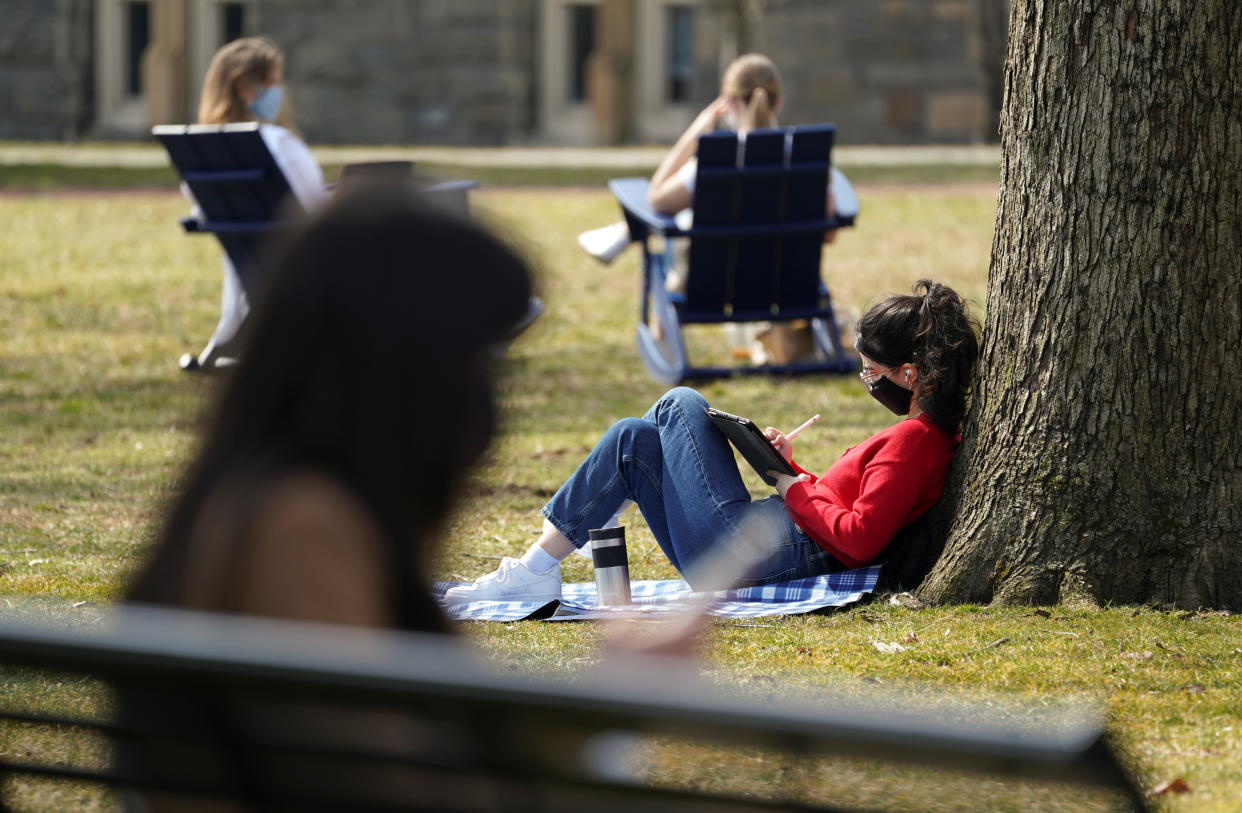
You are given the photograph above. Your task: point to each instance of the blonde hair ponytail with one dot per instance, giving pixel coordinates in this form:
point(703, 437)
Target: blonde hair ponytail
point(754, 80)
point(759, 111)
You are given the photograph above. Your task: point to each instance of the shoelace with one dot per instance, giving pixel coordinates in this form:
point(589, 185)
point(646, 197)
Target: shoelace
point(502, 572)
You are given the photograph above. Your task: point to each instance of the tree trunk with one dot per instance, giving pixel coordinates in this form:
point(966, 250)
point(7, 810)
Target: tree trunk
point(1103, 458)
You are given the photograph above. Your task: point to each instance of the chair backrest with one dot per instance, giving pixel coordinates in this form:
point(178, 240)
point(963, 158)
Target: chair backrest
point(759, 217)
point(229, 168)
point(240, 188)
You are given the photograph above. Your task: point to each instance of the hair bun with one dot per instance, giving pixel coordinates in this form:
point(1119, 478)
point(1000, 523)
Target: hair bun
point(935, 295)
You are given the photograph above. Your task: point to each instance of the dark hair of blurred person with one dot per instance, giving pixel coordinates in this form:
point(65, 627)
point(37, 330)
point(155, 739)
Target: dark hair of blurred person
point(334, 451)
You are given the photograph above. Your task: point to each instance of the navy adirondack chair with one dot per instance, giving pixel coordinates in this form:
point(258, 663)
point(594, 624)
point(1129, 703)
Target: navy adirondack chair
point(759, 223)
point(243, 197)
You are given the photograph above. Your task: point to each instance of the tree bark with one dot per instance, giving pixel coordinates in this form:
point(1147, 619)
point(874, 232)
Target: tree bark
point(1103, 454)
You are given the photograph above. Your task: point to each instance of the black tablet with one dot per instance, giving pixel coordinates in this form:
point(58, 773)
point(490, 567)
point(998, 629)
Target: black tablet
point(749, 440)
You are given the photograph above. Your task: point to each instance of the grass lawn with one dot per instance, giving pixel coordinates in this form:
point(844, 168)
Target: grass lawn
point(100, 292)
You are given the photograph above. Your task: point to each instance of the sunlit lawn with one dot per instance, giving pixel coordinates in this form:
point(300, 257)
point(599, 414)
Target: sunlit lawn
point(100, 292)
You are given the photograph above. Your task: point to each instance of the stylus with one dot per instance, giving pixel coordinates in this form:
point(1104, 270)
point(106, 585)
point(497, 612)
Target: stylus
point(795, 432)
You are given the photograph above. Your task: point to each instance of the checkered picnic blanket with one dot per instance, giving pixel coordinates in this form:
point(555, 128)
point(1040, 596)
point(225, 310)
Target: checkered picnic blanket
point(653, 599)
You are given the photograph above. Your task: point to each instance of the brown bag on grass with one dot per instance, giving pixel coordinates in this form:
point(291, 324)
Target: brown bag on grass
point(787, 342)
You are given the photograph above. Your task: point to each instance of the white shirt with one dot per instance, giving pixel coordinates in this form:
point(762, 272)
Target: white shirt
point(296, 162)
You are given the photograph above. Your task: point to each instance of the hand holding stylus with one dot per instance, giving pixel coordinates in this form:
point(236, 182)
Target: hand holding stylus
point(798, 431)
point(783, 442)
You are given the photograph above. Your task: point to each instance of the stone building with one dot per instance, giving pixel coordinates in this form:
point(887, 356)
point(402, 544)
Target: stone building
point(508, 71)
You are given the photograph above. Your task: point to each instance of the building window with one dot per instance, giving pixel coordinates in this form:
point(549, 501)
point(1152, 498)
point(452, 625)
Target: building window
point(679, 23)
point(210, 24)
point(232, 21)
point(137, 38)
point(581, 44)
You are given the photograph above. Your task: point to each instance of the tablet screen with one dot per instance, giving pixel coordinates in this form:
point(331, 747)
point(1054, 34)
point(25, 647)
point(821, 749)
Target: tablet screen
point(747, 438)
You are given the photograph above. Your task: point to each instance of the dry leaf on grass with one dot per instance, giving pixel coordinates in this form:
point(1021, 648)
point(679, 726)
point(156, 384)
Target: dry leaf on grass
point(912, 638)
point(889, 647)
point(1194, 688)
point(1177, 785)
point(1042, 614)
point(905, 600)
point(1174, 652)
point(997, 642)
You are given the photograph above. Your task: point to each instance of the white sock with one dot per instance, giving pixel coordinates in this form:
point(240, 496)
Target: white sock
point(538, 560)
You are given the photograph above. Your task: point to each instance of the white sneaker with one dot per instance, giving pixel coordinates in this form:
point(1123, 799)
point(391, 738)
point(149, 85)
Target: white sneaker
point(512, 581)
point(606, 243)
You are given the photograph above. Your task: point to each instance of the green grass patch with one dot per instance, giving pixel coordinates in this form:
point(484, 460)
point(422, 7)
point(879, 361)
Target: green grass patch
point(99, 294)
point(864, 174)
point(54, 177)
point(49, 177)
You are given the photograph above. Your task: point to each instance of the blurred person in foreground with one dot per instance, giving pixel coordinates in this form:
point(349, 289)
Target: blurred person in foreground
point(336, 449)
point(330, 460)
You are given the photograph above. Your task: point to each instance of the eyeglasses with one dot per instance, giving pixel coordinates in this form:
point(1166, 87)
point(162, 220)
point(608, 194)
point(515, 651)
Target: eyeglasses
point(870, 375)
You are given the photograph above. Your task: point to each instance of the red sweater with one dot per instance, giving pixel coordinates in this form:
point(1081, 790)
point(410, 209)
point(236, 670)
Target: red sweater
point(874, 490)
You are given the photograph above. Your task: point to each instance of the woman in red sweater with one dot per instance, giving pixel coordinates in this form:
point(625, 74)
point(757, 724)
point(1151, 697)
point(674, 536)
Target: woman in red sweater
point(917, 352)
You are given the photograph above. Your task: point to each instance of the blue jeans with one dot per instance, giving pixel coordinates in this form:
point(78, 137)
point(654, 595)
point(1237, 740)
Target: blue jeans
point(680, 470)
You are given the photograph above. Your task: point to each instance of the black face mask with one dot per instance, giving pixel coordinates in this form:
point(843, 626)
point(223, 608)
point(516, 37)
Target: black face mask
point(893, 396)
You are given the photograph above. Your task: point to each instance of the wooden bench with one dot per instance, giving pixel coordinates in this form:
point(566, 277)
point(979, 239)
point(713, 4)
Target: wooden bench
point(308, 717)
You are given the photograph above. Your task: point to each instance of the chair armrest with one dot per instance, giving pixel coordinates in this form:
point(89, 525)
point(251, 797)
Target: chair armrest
point(242, 227)
point(451, 186)
point(631, 193)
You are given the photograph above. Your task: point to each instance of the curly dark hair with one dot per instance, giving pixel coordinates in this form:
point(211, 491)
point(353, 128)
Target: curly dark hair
point(934, 330)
